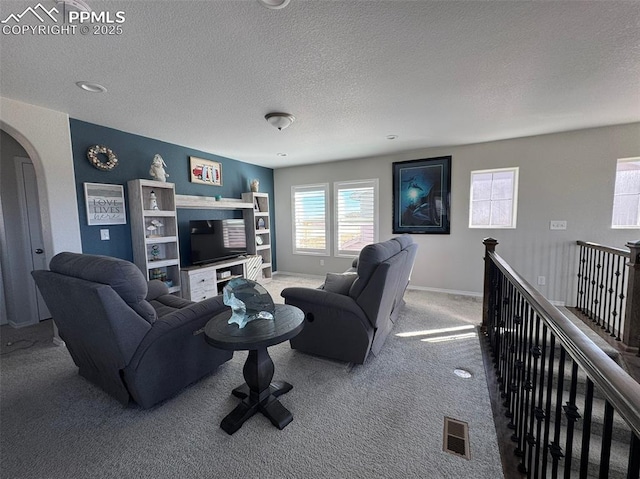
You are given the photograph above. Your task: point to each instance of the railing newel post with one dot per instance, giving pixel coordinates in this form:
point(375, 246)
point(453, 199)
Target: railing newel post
point(488, 307)
point(631, 328)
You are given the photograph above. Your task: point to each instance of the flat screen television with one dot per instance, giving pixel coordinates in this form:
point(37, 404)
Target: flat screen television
point(216, 240)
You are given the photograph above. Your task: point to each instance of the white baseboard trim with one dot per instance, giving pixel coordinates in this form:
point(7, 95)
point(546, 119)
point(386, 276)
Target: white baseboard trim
point(447, 291)
point(304, 275)
point(473, 294)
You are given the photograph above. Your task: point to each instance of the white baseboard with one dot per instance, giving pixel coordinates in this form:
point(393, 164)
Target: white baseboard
point(473, 294)
point(303, 275)
point(447, 291)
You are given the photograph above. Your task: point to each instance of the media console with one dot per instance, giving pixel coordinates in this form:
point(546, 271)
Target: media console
point(207, 281)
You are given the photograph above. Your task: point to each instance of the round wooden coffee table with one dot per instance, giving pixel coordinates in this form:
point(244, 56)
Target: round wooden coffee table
point(259, 392)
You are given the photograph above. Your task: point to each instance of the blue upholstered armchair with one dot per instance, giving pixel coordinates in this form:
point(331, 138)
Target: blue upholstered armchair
point(352, 315)
point(129, 337)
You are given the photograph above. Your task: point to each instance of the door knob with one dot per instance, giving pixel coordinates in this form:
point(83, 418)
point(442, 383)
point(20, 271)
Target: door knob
point(39, 251)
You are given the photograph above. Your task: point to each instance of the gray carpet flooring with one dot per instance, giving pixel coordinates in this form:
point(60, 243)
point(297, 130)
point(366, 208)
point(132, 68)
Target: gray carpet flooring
point(383, 419)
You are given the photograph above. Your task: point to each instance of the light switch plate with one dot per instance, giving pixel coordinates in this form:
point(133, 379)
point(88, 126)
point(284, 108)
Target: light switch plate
point(557, 225)
point(104, 234)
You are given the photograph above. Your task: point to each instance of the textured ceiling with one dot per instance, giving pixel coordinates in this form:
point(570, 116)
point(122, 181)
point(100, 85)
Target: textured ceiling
point(204, 74)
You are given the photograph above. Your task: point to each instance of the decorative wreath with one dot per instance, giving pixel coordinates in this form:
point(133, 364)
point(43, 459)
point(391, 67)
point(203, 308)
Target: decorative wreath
point(95, 160)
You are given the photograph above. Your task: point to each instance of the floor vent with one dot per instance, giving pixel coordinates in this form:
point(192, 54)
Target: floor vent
point(456, 437)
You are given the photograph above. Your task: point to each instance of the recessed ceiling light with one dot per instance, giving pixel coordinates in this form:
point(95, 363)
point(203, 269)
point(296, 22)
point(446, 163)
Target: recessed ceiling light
point(281, 154)
point(274, 4)
point(392, 137)
point(91, 87)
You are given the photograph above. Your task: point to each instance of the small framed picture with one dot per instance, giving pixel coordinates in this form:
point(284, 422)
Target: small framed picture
point(105, 204)
point(206, 172)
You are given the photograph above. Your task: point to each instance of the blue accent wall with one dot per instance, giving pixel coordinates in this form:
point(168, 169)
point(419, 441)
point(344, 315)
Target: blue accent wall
point(135, 154)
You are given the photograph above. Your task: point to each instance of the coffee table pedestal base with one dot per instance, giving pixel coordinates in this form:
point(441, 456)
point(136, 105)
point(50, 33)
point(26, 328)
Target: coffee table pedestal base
point(259, 393)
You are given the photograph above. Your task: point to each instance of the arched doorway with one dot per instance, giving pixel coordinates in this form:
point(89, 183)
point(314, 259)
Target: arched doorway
point(21, 241)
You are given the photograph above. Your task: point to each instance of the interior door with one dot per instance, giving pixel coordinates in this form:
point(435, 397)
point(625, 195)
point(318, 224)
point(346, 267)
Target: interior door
point(30, 210)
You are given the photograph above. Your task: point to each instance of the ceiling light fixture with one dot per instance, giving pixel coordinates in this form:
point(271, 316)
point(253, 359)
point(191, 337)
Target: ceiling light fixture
point(274, 4)
point(91, 87)
point(280, 120)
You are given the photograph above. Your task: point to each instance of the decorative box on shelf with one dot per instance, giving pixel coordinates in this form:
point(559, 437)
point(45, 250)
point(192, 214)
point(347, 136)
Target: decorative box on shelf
point(223, 274)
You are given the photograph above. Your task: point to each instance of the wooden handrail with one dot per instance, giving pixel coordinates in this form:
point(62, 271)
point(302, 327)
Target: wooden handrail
point(620, 389)
point(606, 249)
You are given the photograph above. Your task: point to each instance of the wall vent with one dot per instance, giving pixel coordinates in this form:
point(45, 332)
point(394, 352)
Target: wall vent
point(456, 437)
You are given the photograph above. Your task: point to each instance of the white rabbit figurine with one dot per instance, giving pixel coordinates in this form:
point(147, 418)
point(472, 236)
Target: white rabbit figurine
point(157, 169)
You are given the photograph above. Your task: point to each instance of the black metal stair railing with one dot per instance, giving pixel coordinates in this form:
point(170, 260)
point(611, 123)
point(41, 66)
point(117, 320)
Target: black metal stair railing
point(555, 383)
point(602, 283)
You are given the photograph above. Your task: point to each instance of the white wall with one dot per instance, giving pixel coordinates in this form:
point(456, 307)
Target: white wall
point(565, 176)
point(46, 137)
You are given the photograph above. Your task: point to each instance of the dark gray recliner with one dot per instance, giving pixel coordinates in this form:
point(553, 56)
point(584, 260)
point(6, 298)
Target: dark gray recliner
point(348, 326)
point(131, 338)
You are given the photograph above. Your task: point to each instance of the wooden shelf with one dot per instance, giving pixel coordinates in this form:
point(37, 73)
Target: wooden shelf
point(160, 263)
point(159, 213)
point(162, 239)
point(229, 278)
point(209, 202)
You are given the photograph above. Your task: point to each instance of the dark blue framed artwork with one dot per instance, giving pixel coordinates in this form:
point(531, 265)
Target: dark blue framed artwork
point(422, 195)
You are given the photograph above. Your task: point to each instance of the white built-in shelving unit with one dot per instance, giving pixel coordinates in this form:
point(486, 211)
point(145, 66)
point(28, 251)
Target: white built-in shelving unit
point(257, 217)
point(154, 230)
point(258, 225)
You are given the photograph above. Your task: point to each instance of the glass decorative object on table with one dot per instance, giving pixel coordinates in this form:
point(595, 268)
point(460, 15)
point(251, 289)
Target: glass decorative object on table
point(248, 301)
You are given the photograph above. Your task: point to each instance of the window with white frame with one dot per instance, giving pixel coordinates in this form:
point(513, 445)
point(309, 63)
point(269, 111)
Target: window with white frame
point(310, 219)
point(494, 198)
point(356, 216)
point(626, 196)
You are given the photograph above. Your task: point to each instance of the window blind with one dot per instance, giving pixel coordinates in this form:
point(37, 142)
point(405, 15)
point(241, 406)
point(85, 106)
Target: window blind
point(356, 216)
point(310, 219)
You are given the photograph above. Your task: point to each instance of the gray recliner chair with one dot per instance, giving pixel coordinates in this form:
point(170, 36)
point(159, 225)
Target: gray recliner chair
point(349, 317)
point(129, 337)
